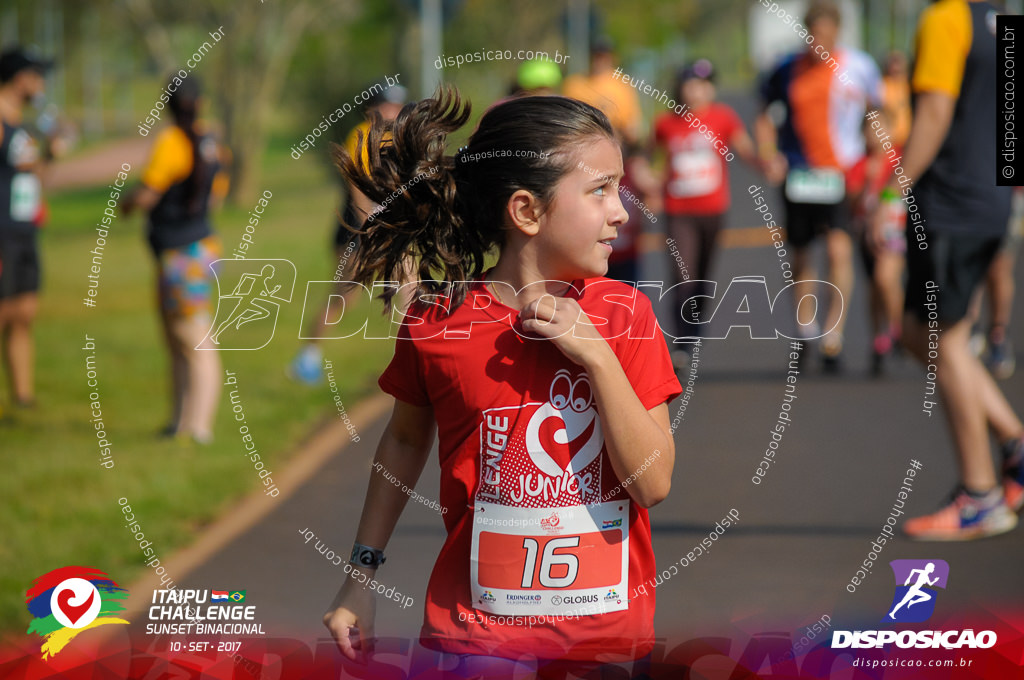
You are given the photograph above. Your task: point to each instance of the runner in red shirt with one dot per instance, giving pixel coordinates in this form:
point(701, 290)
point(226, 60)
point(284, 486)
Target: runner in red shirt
point(883, 262)
point(699, 145)
point(519, 369)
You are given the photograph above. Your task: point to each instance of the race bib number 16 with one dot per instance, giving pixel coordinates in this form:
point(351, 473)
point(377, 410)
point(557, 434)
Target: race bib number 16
point(550, 561)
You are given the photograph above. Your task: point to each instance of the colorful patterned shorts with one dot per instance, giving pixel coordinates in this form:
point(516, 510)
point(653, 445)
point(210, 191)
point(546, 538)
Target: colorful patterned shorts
point(185, 277)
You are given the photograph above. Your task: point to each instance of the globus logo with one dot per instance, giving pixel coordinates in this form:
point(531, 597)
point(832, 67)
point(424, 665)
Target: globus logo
point(913, 602)
point(573, 599)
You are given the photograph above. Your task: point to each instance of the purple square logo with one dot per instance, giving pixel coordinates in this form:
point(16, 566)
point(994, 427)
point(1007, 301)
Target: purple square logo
point(916, 583)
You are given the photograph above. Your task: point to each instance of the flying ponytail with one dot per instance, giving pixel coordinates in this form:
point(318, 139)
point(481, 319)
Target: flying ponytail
point(447, 212)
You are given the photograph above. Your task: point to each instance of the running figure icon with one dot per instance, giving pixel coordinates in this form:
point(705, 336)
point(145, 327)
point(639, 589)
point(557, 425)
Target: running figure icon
point(250, 306)
point(915, 594)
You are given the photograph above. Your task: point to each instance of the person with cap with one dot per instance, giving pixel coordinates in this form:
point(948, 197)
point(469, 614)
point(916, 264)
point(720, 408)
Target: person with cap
point(537, 77)
point(21, 82)
point(306, 367)
point(696, 185)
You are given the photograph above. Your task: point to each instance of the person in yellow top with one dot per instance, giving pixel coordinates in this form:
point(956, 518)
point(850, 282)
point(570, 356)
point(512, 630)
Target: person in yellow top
point(602, 90)
point(306, 367)
point(957, 219)
point(179, 182)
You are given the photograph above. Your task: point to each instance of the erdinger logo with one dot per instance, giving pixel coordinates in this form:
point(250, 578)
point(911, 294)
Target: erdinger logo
point(913, 602)
point(260, 288)
point(544, 454)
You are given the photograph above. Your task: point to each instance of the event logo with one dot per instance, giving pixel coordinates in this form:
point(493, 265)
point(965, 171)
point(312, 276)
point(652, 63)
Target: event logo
point(550, 523)
point(69, 600)
point(915, 602)
point(260, 288)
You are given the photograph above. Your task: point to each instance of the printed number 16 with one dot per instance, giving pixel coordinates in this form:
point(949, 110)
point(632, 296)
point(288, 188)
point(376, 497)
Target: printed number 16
point(550, 559)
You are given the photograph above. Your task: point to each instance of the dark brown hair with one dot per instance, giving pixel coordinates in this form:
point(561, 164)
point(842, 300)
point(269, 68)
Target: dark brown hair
point(447, 211)
point(822, 9)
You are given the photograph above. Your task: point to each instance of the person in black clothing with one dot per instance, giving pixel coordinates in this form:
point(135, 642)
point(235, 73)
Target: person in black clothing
point(21, 81)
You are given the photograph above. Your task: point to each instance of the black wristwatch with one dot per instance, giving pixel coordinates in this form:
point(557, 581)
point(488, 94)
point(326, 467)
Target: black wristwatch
point(366, 556)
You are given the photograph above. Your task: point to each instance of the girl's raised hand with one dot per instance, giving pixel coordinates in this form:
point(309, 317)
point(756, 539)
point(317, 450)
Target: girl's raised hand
point(563, 321)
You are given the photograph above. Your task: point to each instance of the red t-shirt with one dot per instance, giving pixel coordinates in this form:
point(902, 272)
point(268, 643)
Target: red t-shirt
point(698, 181)
point(538, 524)
point(857, 179)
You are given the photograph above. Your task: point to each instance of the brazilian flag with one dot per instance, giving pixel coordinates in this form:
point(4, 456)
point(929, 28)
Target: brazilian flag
point(237, 596)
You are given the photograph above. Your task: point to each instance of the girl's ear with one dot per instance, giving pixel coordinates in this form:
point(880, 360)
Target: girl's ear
point(524, 209)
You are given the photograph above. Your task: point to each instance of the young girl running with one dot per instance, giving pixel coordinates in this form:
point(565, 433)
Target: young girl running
point(547, 385)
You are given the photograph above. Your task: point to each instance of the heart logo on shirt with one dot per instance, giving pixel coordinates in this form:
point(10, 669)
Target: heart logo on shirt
point(550, 426)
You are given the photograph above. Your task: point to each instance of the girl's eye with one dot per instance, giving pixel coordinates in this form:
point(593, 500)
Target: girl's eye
point(600, 190)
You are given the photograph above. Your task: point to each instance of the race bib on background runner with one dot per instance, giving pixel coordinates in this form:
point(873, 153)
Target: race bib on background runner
point(25, 197)
point(697, 172)
point(822, 185)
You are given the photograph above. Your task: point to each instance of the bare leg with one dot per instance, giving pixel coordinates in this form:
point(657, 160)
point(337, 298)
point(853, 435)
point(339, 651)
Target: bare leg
point(199, 406)
point(889, 283)
point(1000, 290)
point(803, 267)
point(970, 397)
point(19, 351)
point(178, 368)
point(839, 247)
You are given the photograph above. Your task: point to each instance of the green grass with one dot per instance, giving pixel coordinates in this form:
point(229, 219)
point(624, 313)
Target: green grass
point(60, 507)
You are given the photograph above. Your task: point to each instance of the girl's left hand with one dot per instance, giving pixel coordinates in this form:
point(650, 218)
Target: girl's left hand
point(563, 321)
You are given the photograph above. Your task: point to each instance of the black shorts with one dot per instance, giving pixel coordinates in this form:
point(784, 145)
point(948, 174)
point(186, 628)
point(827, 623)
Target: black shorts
point(942, 278)
point(19, 263)
point(805, 221)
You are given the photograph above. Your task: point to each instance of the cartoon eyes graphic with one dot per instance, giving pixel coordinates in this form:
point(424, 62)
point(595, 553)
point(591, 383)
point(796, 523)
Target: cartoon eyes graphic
point(565, 393)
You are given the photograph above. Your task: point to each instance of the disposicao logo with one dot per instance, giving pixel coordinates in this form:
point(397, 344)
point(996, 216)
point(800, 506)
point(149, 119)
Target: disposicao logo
point(927, 575)
point(913, 602)
point(69, 600)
